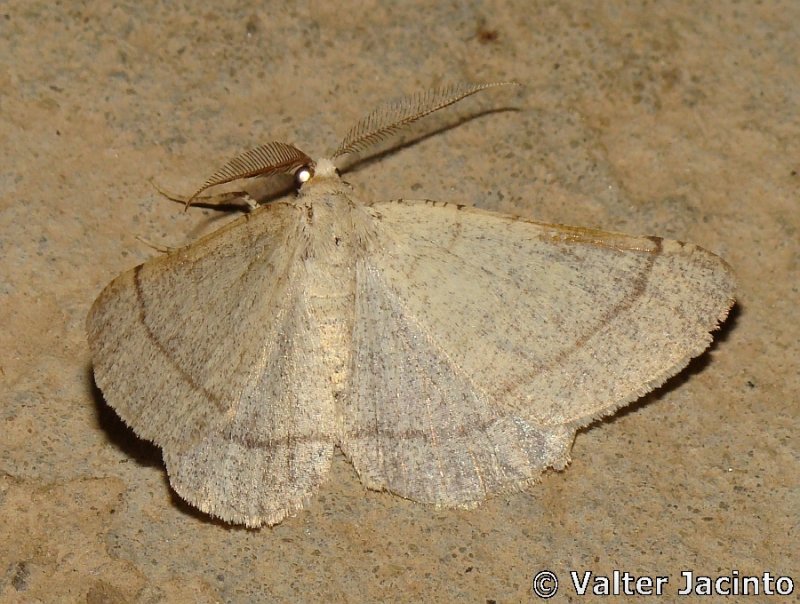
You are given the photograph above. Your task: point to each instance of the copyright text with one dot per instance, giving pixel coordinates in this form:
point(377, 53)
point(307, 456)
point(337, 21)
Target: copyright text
point(623, 583)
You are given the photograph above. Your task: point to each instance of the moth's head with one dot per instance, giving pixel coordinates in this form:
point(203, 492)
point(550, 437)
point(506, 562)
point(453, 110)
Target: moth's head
point(323, 168)
point(316, 175)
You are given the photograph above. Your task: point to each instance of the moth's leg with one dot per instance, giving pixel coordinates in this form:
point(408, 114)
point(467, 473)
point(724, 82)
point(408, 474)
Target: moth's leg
point(210, 201)
point(221, 199)
point(164, 249)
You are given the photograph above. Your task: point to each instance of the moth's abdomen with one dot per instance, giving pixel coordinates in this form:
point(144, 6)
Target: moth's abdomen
point(330, 292)
point(333, 316)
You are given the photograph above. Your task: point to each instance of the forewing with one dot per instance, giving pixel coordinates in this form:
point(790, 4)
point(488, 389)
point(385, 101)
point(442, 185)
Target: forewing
point(501, 336)
point(210, 352)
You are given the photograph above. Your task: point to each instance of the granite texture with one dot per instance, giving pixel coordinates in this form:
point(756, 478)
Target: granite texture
point(678, 119)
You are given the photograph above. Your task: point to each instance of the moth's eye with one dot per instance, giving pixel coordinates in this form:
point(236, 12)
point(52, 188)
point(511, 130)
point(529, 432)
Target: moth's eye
point(303, 175)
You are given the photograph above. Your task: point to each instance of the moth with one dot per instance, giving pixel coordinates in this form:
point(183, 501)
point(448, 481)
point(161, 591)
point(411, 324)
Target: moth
point(450, 353)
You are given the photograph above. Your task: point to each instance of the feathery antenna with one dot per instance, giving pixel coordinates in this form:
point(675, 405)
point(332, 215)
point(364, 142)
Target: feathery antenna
point(387, 119)
point(262, 161)
point(390, 117)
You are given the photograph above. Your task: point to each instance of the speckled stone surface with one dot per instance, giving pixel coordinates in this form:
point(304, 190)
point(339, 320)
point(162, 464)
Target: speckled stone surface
point(678, 119)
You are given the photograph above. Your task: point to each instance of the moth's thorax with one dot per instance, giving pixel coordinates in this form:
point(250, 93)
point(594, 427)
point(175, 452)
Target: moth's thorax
point(337, 225)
